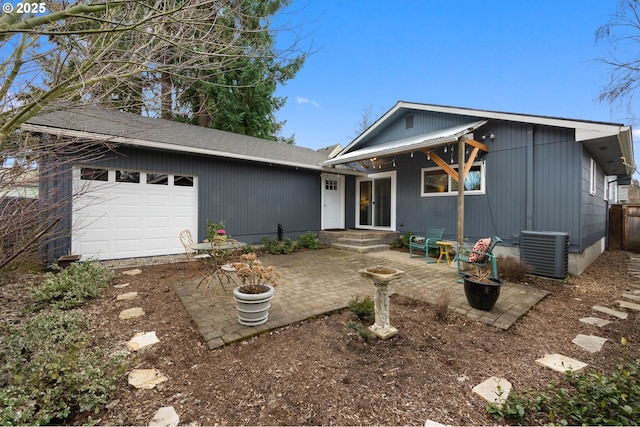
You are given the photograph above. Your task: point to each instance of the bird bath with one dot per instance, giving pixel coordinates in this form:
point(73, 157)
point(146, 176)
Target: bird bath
point(381, 276)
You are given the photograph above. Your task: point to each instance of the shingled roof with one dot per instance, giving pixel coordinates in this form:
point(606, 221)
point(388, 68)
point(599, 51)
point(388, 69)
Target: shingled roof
point(80, 121)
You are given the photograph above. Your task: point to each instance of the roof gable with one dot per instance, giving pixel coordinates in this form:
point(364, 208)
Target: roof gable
point(591, 134)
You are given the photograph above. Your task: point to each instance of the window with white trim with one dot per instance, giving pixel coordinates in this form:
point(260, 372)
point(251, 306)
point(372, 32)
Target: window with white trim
point(592, 178)
point(436, 182)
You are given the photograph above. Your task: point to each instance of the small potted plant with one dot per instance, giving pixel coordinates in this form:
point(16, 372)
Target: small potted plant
point(254, 296)
point(482, 290)
point(215, 231)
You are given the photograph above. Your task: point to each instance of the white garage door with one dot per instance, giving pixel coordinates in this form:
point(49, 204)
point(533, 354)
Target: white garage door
point(127, 213)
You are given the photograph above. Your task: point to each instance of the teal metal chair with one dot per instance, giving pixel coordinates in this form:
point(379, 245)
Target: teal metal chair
point(480, 258)
point(426, 241)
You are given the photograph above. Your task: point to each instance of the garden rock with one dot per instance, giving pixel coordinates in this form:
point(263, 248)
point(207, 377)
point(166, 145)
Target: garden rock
point(493, 389)
point(560, 363)
point(590, 343)
point(127, 296)
point(131, 313)
point(133, 272)
point(596, 321)
point(142, 340)
point(610, 312)
point(165, 417)
point(146, 378)
point(629, 305)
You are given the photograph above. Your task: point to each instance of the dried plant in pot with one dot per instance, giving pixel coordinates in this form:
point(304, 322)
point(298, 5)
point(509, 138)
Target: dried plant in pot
point(482, 290)
point(253, 297)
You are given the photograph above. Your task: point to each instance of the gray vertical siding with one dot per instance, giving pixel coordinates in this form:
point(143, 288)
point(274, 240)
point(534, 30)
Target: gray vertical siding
point(593, 208)
point(251, 198)
point(557, 172)
point(511, 203)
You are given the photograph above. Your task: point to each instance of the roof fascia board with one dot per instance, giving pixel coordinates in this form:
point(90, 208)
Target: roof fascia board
point(163, 146)
point(370, 128)
point(585, 130)
point(625, 140)
point(406, 145)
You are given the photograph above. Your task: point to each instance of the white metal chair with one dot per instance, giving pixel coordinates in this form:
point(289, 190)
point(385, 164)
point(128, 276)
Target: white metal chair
point(194, 259)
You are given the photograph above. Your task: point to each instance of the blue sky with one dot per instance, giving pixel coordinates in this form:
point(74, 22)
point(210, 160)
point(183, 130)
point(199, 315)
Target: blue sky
point(525, 56)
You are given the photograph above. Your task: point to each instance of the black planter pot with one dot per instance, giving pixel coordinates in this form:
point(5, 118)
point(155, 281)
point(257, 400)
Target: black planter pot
point(482, 296)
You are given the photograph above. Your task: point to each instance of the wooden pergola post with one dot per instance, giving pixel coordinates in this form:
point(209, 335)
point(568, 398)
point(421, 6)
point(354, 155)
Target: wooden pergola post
point(462, 175)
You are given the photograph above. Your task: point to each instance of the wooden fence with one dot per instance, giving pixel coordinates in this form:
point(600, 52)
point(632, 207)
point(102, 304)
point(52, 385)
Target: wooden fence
point(624, 227)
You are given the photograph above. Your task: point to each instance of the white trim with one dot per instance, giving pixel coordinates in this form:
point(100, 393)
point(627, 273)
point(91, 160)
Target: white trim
point(341, 182)
point(373, 177)
point(592, 177)
point(483, 181)
point(163, 146)
point(406, 145)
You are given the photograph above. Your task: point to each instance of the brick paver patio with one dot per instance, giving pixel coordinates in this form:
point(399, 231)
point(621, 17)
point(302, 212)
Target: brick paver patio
point(317, 282)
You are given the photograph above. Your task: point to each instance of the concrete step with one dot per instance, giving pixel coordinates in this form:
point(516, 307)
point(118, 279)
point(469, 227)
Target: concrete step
point(359, 241)
point(361, 249)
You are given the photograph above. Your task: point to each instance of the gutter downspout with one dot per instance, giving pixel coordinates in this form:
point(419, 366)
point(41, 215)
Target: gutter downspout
point(529, 181)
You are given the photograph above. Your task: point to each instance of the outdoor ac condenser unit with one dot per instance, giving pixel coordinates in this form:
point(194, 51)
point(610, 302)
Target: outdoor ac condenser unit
point(547, 252)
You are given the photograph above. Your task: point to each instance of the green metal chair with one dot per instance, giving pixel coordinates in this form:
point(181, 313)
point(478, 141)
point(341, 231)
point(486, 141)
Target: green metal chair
point(481, 258)
point(426, 241)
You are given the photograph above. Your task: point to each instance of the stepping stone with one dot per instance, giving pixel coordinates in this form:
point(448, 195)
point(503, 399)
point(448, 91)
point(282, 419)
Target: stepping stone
point(127, 296)
point(596, 321)
point(590, 343)
point(133, 272)
point(610, 312)
point(493, 389)
point(131, 313)
point(121, 285)
point(560, 363)
point(142, 340)
point(632, 297)
point(146, 378)
point(165, 417)
point(431, 423)
point(629, 305)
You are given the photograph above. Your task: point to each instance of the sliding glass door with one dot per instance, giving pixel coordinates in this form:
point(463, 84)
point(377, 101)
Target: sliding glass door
point(376, 195)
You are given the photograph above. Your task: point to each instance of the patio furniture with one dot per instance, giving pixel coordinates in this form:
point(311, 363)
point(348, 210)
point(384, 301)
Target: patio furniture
point(479, 255)
point(423, 243)
point(444, 251)
point(221, 254)
point(194, 258)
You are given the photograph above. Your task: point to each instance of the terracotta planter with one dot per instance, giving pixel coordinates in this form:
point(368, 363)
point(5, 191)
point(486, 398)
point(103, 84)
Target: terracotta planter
point(481, 295)
point(253, 309)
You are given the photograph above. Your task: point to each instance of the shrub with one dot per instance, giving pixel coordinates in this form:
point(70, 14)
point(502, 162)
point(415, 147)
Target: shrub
point(362, 308)
point(401, 242)
point(441, 307)
point(308, 240)
point(513, 269)
point(70, 287)
point(275, 246)
point(363, 332)
point(591, 399)
point(49, 372)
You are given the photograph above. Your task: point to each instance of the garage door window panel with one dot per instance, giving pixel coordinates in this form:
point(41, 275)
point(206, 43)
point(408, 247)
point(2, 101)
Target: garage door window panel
point(93, 174)
point(157, 179)
point(183, 181)
point(128, 176)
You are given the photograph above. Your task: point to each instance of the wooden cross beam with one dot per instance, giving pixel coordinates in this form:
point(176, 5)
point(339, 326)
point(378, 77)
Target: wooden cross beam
point(477, 146)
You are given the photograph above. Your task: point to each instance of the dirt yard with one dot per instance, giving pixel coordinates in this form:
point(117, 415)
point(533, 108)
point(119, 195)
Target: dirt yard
point(320, 372)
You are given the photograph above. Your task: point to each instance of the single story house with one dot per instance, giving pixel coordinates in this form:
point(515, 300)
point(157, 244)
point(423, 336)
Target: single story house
point(523, 172)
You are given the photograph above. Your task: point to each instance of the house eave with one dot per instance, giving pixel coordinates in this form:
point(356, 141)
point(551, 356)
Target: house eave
point(59, 132)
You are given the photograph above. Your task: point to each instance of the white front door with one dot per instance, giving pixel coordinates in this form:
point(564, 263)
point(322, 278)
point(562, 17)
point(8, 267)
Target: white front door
point(376, 207)
point(332, 201)
point(128, 213)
